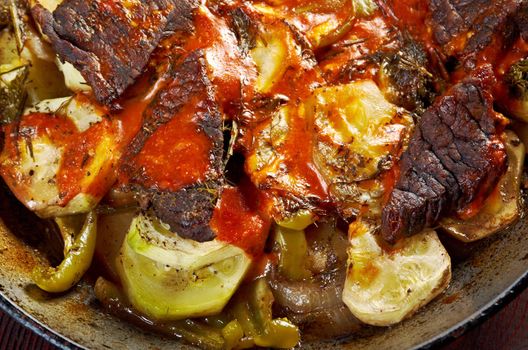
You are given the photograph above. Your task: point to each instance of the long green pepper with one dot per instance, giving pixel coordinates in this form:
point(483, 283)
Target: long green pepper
point(76, 261)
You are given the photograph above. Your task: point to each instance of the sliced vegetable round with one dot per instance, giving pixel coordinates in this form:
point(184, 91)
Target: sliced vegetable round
point(385, 285)
point(168, 277)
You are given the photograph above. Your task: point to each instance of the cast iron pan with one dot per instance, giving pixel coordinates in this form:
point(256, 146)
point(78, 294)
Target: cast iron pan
point(486, 275)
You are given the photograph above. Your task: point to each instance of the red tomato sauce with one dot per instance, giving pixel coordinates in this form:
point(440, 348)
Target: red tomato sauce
point(230, 73)
point(80, 150)
point(240, 218)
point(299, 158)
point(177, 154)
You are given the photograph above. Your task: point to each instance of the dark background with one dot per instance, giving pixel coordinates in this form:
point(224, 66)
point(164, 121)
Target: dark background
point(508, 329)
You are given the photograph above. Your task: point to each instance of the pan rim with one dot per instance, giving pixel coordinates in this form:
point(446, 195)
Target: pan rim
point(480, 316)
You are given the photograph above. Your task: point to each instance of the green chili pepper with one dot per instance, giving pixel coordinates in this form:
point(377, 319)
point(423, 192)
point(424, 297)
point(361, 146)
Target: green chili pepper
point(69, 227)
point(338, 33)
point(247, 322)
point(361, 8)
point(233, 334)
point(75, 263)
point(252, 310)
point(292, 255)
point(299, 221)
point(195, 332)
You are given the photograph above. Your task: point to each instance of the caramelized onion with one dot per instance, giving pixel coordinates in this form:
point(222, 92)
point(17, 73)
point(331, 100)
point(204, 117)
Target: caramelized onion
point(315, 303)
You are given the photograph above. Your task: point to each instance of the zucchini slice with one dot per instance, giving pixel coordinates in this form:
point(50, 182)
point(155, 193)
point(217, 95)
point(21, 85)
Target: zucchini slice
point(385, 285)
point(167, 277)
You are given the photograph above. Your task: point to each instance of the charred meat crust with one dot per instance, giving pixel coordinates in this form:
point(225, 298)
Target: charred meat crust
point(188, 210)
point(454, 156)
point(188, 79)
point(111, 43)
point(453, 19)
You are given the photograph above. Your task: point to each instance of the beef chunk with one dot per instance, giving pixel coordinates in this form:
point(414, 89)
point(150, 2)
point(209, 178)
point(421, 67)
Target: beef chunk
point(175, 161)
point(452, 20)
point(454, 156)
point(187, 211)
point(188, 84)
point(110, 42)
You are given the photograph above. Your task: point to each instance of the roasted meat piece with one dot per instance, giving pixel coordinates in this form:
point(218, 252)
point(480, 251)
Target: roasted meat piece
point(110, 42)
point(453, 20)
point(455, 157)
point(175, 161)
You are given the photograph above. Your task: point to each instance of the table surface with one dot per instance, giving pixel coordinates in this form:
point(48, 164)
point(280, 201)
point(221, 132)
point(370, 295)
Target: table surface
point(508, 329)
